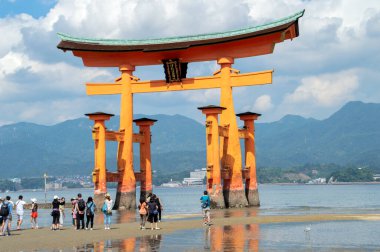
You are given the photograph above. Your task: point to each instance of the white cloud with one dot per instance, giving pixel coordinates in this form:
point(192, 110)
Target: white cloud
point(325, 90)
point(262, 104)
point(335, 36)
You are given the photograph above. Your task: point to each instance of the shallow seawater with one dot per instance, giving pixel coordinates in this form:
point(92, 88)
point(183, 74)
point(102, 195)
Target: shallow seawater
point(316, 236)
point(276, 200)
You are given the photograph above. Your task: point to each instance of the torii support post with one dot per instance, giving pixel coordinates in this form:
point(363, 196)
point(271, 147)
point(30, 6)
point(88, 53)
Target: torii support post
point(214, 185)
point(126, 187)
point(144, 125)
point(99, 173)
point(233, 190)
point(251, 190)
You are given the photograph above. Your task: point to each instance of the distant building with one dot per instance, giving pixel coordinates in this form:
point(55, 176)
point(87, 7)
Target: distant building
point(317, 181)
point(196, 177)
point(53, 186)
point(16, 180)
point(198, 173)
point(376, 176)
point(192, 181)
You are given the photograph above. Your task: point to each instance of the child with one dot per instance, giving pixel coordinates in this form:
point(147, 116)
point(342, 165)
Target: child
point(34, 214)
point(143, 213)
point(74, 212)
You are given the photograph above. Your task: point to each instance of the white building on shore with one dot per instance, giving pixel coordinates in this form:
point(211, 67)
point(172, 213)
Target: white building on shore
point(196, 177)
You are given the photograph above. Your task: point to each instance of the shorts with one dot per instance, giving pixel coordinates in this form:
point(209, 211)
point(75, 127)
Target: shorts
point(152, 218)
point(20, 217)
point(34, 215)
point(206, 213)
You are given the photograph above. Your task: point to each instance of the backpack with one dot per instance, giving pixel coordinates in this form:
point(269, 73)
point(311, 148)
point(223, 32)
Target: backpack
point(205, 202)
point(104, 207)
point(88, 210)
point(4, 210)
point(81, 205)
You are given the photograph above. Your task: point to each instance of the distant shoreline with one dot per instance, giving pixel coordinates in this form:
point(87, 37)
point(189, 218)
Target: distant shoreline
point(45, 239)
point(159, 186)
point(336, 183)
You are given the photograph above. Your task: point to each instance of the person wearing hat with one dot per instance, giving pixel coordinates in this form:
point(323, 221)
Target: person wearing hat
point(34, 214)
point(55, 213)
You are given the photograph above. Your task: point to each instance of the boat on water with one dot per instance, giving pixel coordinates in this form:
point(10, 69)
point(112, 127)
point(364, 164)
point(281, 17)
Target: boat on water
point(171, 183)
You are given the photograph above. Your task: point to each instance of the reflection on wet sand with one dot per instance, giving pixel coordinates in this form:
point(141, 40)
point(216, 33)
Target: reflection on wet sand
point(215, 238)
point(145, 243)
point(236, 237)
point(117, 217)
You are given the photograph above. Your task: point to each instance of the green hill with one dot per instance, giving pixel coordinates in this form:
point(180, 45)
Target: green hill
point(351, 136)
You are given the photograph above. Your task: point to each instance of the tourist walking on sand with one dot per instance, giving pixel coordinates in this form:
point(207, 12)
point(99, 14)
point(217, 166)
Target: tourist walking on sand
point(73, 212)
point(205, 205)
point(10, 216)
point(6, 212)
point(143, 207)
point(90, 212)
point(1, 217)
point(107, 211)
point(153, 212)
point(34, 213)
point(61, 211)
point(80, 207)
point(159, 205)
point(20, 211)
point(55, 213)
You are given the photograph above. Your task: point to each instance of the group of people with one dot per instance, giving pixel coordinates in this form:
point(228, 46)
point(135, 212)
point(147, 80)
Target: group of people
point(6, 211)
point(150, 210)
point(80, 209)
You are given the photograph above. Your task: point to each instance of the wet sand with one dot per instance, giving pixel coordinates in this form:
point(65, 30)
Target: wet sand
point(45, 239)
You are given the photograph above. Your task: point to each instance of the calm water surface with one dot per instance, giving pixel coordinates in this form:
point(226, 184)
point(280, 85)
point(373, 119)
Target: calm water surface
point(323, 236)
point(275, 200)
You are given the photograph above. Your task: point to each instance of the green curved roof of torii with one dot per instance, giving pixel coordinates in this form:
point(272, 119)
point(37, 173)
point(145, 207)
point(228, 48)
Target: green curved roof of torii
point(180, 39)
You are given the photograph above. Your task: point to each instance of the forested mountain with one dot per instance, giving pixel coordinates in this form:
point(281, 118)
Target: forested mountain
point(350, 136)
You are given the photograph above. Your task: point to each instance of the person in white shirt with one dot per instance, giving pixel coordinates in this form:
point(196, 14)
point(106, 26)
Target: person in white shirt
point(20, 211)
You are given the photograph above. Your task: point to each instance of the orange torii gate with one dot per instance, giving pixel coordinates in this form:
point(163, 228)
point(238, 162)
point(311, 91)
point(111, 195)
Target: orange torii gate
point(224, 161)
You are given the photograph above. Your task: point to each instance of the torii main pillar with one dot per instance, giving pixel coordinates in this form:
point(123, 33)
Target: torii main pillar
point(126, 187)
point(233, 190)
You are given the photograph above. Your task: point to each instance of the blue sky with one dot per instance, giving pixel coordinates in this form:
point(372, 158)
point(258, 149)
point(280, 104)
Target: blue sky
point(35, 8)
point(335, 59)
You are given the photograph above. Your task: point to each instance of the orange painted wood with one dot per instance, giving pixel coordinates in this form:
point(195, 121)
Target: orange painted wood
point(208, 82)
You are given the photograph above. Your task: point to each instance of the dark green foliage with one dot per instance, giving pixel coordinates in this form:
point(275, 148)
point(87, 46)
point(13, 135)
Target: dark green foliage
point(352, 174)
point(34, 183)
point(71, 185)
point(351, 136)
point(7, 185)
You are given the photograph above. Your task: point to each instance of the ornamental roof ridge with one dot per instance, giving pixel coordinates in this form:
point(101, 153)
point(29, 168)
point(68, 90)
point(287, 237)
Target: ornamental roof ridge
point(207, 36)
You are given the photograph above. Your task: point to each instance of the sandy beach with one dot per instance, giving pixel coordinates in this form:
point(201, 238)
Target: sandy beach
point(45, 239)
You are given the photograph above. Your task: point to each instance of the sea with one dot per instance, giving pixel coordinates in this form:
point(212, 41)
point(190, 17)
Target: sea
point(276, 200)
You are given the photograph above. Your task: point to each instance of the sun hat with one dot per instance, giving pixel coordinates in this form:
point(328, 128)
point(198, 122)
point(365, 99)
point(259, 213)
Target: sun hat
point(55, 197)
point(34, 200)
